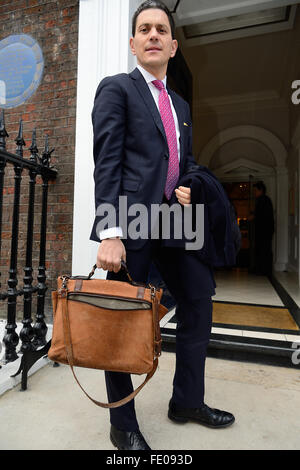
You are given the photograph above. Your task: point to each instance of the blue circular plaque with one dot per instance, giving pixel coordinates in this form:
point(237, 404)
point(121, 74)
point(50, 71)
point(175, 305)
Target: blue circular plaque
point(21, 69)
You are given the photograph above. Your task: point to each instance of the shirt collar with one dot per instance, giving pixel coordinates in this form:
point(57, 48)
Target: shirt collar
point(149, 77)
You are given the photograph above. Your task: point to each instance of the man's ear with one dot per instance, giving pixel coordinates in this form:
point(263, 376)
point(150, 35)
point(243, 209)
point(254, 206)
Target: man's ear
point(174, 47)
point(131, 43)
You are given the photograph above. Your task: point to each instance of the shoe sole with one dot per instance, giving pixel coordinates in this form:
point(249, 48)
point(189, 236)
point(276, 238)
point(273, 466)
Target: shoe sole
point(182, 420)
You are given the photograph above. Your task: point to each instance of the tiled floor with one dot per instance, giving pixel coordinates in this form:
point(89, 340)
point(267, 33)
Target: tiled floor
point(240, 287)
point(290, 282)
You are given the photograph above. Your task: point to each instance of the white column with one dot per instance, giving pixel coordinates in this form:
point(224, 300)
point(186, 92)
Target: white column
point(103, 49)
point(281, 259)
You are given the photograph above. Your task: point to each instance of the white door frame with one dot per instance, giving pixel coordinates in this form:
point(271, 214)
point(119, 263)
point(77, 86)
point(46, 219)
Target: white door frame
point(103, 49)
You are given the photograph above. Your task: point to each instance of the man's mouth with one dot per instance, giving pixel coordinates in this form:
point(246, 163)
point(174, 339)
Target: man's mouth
point(152, 49)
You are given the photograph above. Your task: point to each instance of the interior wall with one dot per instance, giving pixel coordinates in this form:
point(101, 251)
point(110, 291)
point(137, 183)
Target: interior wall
point(293, 158)
point(245, 81)
point(250, 149)
point(295, 75)
point(248, 81)
point(293, 239)
point(206, 126)
point(240, 82)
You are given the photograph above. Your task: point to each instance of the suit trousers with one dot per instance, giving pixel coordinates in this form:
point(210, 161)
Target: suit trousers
point(191, 284)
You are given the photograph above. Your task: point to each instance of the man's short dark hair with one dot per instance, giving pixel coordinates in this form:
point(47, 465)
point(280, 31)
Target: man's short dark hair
point(260, 186)
point(153, 4)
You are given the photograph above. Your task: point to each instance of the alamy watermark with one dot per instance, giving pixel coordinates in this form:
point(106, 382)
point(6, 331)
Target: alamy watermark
point(176, 221)
point(296, 94)
point(2, 92)
point(296, 353)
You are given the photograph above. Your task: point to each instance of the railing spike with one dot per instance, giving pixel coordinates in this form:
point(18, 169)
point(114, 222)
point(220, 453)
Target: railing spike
point(20, 141)
point(3, 133)
point(45, 160)
point(33, 148)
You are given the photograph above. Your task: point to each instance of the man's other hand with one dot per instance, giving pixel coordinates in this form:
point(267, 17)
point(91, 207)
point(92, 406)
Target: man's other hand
point(110, 253)
point(183, 195)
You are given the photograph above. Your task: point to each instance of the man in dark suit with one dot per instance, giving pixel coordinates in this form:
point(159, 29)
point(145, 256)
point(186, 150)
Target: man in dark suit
point(264, 230)
point(142, 146)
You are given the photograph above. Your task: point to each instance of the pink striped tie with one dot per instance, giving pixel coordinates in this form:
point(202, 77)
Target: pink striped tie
point(169, 125)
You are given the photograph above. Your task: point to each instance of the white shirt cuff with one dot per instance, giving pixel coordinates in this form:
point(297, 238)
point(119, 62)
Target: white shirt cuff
point(110, 233)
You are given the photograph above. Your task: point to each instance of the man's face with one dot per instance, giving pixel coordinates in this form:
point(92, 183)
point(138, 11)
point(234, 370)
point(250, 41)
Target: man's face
point(258, 192)
point(153, 44)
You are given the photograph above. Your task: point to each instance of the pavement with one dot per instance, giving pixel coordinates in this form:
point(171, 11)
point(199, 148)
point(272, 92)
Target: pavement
point(55, 414)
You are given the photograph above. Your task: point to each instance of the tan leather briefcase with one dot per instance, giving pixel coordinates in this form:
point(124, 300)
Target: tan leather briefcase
point(107, 325)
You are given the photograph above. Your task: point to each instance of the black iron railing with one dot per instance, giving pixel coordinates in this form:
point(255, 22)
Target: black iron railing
point(32, 336)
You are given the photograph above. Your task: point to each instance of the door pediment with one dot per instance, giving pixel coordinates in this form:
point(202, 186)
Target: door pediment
point(243, 167)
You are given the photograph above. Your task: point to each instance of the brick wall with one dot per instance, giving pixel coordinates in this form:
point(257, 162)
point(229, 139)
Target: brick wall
point(52, 110)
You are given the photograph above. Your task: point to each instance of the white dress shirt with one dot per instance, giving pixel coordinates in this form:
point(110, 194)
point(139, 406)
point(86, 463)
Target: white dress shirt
point(155, 93)
point(117, 231)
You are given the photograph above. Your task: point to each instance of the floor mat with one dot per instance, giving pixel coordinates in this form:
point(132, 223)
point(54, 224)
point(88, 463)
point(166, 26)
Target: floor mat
point(253, 315)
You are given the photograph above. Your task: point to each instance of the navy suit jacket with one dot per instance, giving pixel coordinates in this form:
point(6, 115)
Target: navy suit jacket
point(131, 152)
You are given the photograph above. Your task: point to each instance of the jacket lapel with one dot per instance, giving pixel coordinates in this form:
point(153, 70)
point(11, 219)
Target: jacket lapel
point(147, 97)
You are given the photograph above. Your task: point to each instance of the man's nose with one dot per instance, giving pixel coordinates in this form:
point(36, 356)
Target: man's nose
point(153, 34)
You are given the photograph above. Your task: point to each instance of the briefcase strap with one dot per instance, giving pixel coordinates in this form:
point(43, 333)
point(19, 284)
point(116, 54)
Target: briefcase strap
point(69, 352)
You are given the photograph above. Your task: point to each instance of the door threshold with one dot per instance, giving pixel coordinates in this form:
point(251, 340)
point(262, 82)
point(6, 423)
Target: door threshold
point(246, 349)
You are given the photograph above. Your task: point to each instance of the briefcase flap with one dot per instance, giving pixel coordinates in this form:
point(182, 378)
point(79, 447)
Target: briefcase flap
point(109, 288)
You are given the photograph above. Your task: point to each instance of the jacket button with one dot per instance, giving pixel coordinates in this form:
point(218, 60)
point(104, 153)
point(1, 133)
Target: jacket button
point(166, 156)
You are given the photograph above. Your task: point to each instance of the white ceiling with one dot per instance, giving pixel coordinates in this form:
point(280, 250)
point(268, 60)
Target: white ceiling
point(198, 11)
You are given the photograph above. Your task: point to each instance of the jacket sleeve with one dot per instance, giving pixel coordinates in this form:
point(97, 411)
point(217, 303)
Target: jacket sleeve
point(189, 158)
point(109, 122)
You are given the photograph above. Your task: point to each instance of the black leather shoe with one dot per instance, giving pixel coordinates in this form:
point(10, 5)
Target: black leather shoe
point(130, 440)
point(207, 416)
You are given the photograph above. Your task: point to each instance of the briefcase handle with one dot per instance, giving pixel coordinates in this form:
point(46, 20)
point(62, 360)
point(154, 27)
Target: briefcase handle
point(123, 266)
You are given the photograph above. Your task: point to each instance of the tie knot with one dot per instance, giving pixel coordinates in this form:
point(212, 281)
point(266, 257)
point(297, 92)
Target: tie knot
point(159, 84)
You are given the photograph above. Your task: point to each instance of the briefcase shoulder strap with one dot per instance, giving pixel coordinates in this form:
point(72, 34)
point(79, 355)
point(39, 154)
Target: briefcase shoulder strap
point(69, 352)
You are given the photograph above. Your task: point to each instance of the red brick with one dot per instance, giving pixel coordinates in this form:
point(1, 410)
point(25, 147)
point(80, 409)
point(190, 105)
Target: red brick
point(67, 20)
point(52, 110)
point(27, 29)
point(50, 24)
point(6, 235)
point(27, 117)
point(32, 10)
